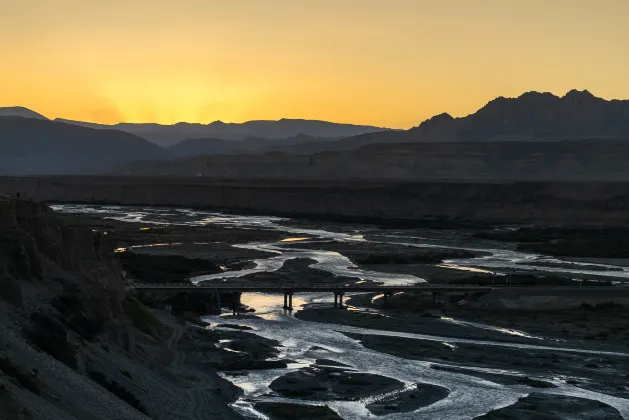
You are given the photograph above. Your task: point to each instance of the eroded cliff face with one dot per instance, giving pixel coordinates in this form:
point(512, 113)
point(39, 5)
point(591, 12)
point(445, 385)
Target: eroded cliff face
point(61, 295)
point(38, 253)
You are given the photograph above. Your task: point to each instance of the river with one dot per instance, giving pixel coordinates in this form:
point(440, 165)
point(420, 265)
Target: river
point(304, 341)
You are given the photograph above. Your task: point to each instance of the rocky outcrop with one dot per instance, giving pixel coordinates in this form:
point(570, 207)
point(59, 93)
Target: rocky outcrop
point(60, 287)
point(72, 344)
point(35, 246)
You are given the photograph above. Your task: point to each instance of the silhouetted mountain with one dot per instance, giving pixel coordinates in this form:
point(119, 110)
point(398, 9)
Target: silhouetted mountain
point(20, 111)
point(168, 135)
point(207, 147)
point(532, 117)
point(34, 146)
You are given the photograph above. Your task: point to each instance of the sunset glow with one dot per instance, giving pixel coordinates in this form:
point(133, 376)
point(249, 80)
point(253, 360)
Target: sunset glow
point(382, 62)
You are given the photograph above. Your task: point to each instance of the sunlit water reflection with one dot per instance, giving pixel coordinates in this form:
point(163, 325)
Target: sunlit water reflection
point(494, 260)
point(306, 342)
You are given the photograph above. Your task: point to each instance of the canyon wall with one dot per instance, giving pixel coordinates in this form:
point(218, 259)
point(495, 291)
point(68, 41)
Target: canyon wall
point(369, 200)
point(584, 160)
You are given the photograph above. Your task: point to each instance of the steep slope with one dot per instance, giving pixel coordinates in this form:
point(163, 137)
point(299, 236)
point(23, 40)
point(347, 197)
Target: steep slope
point(168, 135)
point(19, 111)
point(31, 146)
point(74, 344)
point(61, 294)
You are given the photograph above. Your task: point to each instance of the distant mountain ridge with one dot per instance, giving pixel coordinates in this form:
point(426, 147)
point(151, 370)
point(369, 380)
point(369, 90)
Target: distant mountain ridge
point(30, 146)
point(168, 135)
point(20, 111)
point(532, 116)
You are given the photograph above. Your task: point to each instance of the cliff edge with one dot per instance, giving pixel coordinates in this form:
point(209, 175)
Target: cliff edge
point(73, 345)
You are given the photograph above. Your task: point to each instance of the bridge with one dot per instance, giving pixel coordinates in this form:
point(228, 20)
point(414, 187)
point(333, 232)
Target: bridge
point(289, 289)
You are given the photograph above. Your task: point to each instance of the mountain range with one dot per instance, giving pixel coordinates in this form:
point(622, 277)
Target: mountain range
point(168, 135)
point(29, 143)
point(531, 117)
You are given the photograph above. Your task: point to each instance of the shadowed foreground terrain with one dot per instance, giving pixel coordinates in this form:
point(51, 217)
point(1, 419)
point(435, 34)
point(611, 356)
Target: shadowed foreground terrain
point(78, 343)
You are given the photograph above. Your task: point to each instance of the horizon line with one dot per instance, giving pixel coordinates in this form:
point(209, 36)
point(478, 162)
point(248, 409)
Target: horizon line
point(315, 119)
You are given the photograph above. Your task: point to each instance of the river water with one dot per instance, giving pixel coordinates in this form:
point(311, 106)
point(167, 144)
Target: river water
point(304, 342)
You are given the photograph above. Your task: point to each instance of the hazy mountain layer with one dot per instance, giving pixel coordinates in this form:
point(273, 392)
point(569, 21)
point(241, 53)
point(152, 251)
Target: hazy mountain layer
point(168, 135)
point(34, 146)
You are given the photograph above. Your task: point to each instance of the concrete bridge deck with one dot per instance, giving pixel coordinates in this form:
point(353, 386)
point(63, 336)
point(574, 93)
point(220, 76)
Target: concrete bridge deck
point(339, 290)
point(289, 289)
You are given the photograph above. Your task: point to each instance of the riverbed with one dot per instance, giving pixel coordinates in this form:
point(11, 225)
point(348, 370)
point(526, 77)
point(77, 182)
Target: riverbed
point(370, 340)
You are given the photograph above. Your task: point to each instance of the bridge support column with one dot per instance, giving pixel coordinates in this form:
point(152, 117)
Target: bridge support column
point(341, 299)
point(234, 308)
point(335, 300)
point(290, 301)
point(387, 296)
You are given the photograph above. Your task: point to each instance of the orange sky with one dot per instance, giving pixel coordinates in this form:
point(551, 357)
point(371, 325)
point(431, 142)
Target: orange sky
point(383, 62)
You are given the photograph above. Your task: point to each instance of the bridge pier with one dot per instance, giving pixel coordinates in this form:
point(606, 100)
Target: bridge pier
point(338, 296)
point(288, 300)
point(387, 296)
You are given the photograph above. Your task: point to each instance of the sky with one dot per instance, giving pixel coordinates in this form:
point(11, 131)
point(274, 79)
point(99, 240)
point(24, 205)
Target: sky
point(390, 63)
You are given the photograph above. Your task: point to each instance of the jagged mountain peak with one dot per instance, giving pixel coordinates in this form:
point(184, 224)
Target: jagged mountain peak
point(580, 96)
point(532, 116)
point(579, 93)
point(537, 95)
point(436, 121)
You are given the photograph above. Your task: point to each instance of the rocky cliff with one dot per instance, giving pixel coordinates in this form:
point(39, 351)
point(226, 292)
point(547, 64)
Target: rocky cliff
point(35, 246)
point(73, 346)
